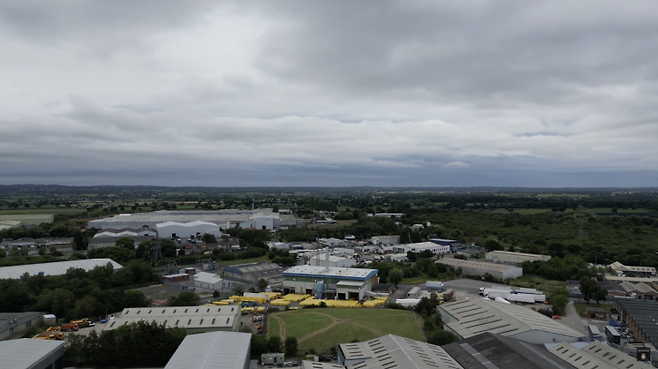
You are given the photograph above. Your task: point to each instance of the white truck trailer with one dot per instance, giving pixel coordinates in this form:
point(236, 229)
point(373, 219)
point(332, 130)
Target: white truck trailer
point(520, 298)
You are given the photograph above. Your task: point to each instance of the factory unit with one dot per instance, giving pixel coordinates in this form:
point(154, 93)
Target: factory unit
point(252, 272)
point(471, 317)
point(187, 230)
point(436, 249)
point(333, 261)
point(636, 271)
point(454, 244)
point(13, 323)
point(480, 268)
point(640, 318)
point(212, 350)
point(328, 282)
point(514, 257)
point(385, 240)
point(210, 281)
point(54, 268)
point(224, 219)
point(195, 319)
point(31, 354)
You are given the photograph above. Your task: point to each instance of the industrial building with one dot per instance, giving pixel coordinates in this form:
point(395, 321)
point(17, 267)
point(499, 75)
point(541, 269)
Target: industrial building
point(14, 323)
point(27, 353)
point(393, 351)
point(640, 317)
point(55, 268)
point(469, 318)
point(334, 261)
point(640, 290)
point(27, 220)
point(331, 242)
point(596, 355)
point(195, 319)
point(109, 237)
point(211, 282)
point(187, 230)
point(385, 240)
point(480, 268)
point(636, 271)
point(5, 224)
point(454, 244)
point(514, 257)
point(330, 283)
point(252, 272)
point(224, 219)
point(488, 351)
point(229, 350)
point(436, 249)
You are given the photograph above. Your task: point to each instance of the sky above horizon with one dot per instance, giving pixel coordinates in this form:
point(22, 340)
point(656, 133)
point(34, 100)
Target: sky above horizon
point(340, 93)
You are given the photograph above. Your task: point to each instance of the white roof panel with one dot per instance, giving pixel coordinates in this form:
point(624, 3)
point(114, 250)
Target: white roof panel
point(226, 350)
point(24, 353)
point(56, 268)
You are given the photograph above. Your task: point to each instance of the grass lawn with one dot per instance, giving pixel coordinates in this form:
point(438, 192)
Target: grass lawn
point(243, 261)
point(342, 325)
point(582, 307)
point(425, 278)
point(43, 211)
point(544, 285)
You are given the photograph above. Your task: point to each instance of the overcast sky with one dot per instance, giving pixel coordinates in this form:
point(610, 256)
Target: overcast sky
point(331, 93)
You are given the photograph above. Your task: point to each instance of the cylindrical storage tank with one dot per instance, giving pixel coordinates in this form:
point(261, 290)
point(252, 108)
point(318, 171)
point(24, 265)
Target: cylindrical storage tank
point(319, 289)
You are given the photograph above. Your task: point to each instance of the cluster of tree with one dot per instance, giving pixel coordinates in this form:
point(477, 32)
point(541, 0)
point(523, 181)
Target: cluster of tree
point(559, 299)
point(592, 290)
point(571, 267)
point(262, 345)
point(432, 321)
point(77, 293)
point(282, 257)
point(138, 344)
point(395, 272)
point(185, 298)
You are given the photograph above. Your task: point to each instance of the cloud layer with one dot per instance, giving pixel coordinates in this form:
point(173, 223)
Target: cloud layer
point(399, 93)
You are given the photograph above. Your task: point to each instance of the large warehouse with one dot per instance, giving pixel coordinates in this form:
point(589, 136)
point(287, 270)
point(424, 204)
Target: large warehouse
point(514, 257)
point(13, 323)
point(471, 317)
point(230, 350)
point(341, 283)
point(195, 319)
point(252, 272)
point(225, 218)
point(187, 230)
point(27, 353)
point(334, 261)
point(56, 268)
point(480, 268)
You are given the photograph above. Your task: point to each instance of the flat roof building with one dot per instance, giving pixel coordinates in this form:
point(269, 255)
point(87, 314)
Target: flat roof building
point(514, 257)
point(225, 218)
point(428, 246)
point(55, 268)
point(227, 350)
point(195, 319)
point(252, 272)
point(334, 261)
point(341, 283)
point(471, 317)
point(27, 353)
point(480, 268)
point(13, 323)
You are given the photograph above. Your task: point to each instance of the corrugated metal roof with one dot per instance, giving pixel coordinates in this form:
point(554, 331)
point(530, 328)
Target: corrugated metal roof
point(320, 271)
point(56, 268)
point(476, 264)
point(226, 350)
point(24, 353)
point(477, 316)
point(189, 317)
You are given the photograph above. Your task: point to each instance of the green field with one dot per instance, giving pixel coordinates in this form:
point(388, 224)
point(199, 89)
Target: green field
point(42, 211)
point(321, 329)
point(545, 285)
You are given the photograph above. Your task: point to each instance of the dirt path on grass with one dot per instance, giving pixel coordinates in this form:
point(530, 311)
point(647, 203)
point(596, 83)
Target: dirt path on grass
point(418, 319)
point(282, 327)
point(337, 321)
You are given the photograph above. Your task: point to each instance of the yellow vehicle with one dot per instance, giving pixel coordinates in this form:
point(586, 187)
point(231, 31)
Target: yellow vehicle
point(50, 336)
point(81, 323)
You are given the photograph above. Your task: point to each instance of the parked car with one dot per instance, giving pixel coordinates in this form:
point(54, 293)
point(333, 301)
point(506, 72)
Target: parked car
point(557, 317)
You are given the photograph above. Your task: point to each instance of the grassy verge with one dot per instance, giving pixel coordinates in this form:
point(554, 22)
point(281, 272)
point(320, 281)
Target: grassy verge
point(545, 285)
